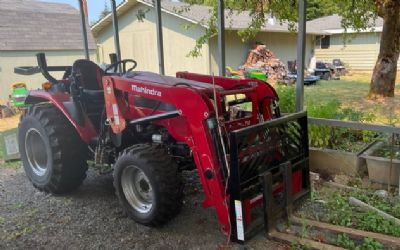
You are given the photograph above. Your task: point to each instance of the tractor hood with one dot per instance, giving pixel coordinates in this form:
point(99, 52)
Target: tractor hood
point(169, 80)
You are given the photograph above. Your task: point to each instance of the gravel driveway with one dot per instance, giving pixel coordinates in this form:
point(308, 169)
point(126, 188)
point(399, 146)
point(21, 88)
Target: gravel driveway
point(91, 218)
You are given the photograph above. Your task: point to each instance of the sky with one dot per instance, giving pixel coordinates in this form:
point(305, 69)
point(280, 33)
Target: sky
point(94, 6)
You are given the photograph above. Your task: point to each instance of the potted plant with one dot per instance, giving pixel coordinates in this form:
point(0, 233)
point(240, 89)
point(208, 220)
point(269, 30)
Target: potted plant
point(337, 150)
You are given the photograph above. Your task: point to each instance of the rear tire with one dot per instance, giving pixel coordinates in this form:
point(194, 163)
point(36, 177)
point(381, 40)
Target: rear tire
point(148, 185)
point(53, 155)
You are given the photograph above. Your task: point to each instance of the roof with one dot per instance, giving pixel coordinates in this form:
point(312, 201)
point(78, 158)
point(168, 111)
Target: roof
point(197, 14)
point(333, 24)
point(34, 25)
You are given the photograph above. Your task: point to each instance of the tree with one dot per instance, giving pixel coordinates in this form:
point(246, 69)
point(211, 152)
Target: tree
point(106, 10)
point(315, 8)
point(356, 14)
point(384, 74)
point(318, 8)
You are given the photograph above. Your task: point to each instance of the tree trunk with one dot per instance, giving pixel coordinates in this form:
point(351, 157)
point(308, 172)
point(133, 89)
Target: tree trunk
point(384, 74)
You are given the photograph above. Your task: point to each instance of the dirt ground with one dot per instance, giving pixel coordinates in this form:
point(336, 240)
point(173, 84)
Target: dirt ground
point(91, 218)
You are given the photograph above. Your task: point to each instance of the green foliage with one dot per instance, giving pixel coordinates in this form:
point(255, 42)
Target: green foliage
point(333, 137)
point(356, 14)
point(106, 10)
point(327, 136)
point(386, 152)
point(343, 240)
point(141, 14)
point(315, 8)
point(370, 244)
point(320, 8)
point(297, 246)
point(390, 206)
point(371, 221)
point(369, 136)
point(339, 212)
point(323, 136)
point(286, 98)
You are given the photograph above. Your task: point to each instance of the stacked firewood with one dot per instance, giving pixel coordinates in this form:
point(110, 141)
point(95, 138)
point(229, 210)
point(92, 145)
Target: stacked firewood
point(263, 59)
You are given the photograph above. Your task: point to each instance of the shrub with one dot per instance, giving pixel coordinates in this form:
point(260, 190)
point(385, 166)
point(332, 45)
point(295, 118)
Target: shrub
point(327, 136)
point(287, 98)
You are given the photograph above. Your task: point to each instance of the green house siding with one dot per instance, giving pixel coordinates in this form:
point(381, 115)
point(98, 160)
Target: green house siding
point(358, 51)
point(11, 59)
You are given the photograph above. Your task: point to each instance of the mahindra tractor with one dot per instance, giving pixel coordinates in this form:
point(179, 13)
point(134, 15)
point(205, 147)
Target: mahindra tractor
point(147, 128)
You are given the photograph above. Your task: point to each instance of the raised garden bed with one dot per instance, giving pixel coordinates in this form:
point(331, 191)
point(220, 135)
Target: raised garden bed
point(330, 218)
point(332, 162)
point(379, 164)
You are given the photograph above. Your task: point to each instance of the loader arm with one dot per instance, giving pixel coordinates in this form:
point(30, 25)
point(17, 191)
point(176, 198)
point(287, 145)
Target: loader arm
point(195, 132)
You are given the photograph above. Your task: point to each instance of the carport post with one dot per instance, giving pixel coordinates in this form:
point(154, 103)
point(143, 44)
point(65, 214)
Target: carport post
point(301, 47)
point(221, 37)
point(84, 32)
point(160, 46)
point(116, 31)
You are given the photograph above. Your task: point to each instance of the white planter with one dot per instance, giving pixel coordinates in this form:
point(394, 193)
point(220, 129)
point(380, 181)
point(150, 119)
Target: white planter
point(379, 167)
point(335, 162)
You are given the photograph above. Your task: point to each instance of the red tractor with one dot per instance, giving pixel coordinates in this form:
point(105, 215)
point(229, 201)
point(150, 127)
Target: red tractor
point(147, 128)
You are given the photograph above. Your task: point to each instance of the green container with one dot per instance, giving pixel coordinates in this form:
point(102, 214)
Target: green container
point(255, 74)
point(9, 142)
point(19, 94)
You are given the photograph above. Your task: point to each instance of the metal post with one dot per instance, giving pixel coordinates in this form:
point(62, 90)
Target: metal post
point(160, 46)
point(221, 37)
point(116, 30)
point(84, 32)
point(301, 47)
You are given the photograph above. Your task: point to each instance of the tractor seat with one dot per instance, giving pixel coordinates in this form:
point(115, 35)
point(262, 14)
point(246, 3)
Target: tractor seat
point(88, 78)
point(87, 75)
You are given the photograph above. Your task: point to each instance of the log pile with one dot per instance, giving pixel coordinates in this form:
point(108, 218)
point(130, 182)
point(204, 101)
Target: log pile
point(263, 59)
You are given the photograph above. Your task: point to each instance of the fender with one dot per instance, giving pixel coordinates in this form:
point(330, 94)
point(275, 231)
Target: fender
point(64, 103)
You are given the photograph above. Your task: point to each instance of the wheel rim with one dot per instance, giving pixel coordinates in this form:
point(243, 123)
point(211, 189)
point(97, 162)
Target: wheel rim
point(36, 153)
point(137, 189)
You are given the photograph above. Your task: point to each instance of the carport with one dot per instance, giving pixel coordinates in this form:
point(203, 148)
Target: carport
point(221, 40)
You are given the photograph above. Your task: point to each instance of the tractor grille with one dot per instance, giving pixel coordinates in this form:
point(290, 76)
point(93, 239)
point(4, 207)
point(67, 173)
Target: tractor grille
point(268, 161)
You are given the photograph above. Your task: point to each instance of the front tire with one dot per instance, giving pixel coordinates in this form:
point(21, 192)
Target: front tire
point(53, 155)
point(148, 185)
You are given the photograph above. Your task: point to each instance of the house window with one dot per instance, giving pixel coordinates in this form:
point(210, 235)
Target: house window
point(323, 42)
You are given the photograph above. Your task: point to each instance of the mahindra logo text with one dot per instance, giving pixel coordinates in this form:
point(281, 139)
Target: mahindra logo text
point(146, 90)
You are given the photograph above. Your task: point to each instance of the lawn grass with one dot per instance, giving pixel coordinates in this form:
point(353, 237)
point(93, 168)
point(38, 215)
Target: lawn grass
point(352, 92)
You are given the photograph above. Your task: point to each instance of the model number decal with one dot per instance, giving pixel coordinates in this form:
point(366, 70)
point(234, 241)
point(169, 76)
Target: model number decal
point(116, 115)
point(146, 90)
point(239, 220)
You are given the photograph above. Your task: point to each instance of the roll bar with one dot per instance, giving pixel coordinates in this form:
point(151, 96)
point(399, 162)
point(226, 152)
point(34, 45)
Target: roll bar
point(84, 31)
point(43, 68)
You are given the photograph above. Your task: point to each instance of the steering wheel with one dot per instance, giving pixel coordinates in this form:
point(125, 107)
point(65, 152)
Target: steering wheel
point(123, 63)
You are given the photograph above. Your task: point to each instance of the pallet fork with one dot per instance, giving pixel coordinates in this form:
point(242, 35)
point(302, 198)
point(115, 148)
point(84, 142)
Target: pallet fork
point(269, 173)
